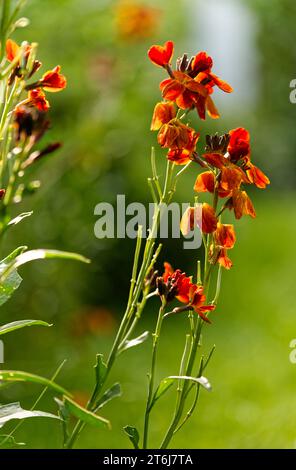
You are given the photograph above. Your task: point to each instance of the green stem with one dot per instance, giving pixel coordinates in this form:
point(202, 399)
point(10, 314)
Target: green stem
point(152, 372)
point(136, 290)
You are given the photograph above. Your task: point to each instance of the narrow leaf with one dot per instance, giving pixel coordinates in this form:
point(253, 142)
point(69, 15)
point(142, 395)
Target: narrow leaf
point(85, 415)
point(164, 385)
point(15, 411)
point(135, 342)
point(113, 392)
point(133, 435)
point(33, 255)
point(7, 376)
point(203, 381)
point(16, 325)
point(19, 218)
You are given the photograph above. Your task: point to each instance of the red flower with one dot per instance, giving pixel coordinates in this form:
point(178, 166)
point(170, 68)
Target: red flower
point(201, 67)
point(239, 144)
point(186, 93)
point(182, 156)
point(163, 113)
point(161, 55)
point(186, 292)
point(37, 98)
point(197, 300)
point(53, 80)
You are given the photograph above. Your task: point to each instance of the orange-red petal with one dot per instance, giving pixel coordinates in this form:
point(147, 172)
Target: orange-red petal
point(162, 114)
point(257, 176)
point(209, 219)
point(224, 260)
point(224, 86)
point(205, 182)
point(37, 98)
point(12, 49)
point(225, 235)
point(242, 204)
point(53, 81)
point(161, 55)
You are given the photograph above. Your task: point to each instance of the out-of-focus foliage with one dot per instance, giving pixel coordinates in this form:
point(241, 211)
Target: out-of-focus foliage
point(275, 116)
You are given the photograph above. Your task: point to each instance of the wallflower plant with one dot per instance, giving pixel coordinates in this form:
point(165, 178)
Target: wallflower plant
point(224, 170)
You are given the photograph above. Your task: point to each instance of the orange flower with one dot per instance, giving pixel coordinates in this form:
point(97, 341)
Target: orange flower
point(224, 238)
point(201, 67)
point(174, 134)
point(162, 114)
point(53, 80)
point(174, 284)
point(12, 50)
point(257, 176)
point(225, 235)
point(37, 98)
point(161, 55)
point(186, 292)
point(183, 156)
point(242, 204)
point(197, 300)
point(192, 84)
point(223, 259)
point(205, 182)
point(209, 219)
point(136, 21)
point(206, 220)
point(185, 92)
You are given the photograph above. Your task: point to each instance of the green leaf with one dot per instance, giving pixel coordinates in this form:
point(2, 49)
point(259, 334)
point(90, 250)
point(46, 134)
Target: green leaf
point(8, 441)
point(133, 435)
point(19, 218)
point(33, 255)
point(100, 370)
point(9, 277)
point(135, 342)
point(16, 325)
point(85, 415)
point(164, 385)
point(13, 279)
point(203, 381)
point(15, 411)
point(7, 376)
point(18, 251)
point(112, 392)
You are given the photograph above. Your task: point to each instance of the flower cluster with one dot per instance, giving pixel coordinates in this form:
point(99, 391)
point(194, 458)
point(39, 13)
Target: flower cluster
point(25, 67)
point(226, 159)
point(30, 119)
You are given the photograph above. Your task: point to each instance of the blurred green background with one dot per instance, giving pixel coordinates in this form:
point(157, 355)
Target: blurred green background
point(103, 120)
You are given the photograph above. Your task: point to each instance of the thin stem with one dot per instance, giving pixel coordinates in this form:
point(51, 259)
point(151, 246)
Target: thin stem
point(132, 305)
point(152, 372)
